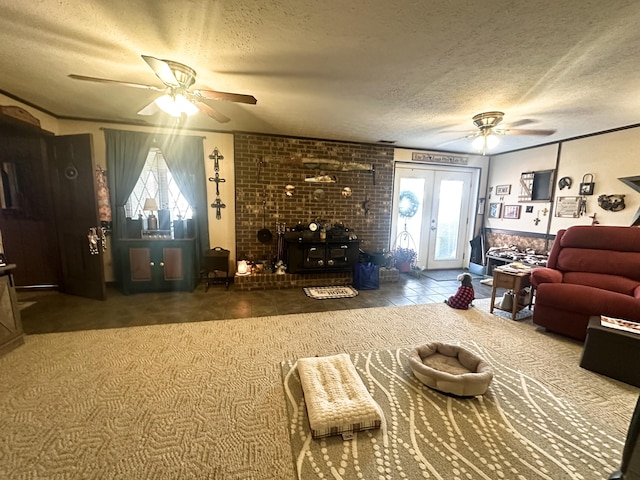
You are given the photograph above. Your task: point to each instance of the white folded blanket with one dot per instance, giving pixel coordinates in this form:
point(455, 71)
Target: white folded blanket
point(336, 398)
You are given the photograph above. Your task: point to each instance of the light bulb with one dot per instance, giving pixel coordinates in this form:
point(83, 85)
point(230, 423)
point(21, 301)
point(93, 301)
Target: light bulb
point(492, 140)
point(485, 142)
point(185, 105)
point(176, 105)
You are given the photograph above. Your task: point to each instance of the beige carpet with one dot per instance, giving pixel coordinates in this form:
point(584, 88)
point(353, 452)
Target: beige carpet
point(205, 400)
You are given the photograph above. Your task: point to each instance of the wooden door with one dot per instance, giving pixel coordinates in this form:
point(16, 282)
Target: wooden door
point(76, 212)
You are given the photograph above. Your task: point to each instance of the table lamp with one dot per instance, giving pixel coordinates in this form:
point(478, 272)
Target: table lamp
point(243, 267)
point(150, 205)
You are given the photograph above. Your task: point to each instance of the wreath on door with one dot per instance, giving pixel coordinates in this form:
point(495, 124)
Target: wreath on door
point(408, 204)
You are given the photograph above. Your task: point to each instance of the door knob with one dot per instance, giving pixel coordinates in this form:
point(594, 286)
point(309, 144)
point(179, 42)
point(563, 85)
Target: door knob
point(152, 264)
point(162, 264)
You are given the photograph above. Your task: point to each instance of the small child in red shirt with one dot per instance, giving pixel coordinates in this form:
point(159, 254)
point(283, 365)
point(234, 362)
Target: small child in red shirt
point(465, 294)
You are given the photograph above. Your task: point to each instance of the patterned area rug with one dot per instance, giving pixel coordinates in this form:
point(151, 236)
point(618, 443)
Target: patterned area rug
point(204, 400)
point(324, 293)
point(518, 430)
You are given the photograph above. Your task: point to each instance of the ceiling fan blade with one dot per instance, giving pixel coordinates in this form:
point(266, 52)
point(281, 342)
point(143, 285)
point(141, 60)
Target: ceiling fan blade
point(458, 139)
point(519, 123)
point(162, 70)
point(118, 82)
point(229, 97)
point(150, 109)
point(543, 133)
point(211, 112)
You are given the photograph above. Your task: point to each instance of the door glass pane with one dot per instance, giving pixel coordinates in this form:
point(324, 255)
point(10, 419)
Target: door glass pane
point(411, 203)
point(448, 221)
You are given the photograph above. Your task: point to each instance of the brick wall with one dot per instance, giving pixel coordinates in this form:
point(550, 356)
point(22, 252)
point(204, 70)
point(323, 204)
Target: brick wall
point(281, 165)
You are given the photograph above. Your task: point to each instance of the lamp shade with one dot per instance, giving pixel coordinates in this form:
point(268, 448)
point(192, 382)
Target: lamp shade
point(150, 204)
point(176, 105)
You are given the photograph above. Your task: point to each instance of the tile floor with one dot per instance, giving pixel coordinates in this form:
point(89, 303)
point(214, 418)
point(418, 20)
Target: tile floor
point(56, 312)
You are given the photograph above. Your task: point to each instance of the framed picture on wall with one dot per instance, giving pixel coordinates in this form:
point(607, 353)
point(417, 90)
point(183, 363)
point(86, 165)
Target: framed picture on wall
point(495, 210)
point(481, 206)
point(503, 189)
point(568, 207)
point(511, 211)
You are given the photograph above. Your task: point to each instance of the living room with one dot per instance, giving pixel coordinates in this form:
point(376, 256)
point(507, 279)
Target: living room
point(218, 398)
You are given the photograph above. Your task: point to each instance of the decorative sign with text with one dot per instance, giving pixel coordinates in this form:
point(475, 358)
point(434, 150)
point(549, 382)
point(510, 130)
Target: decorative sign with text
point(439, 158)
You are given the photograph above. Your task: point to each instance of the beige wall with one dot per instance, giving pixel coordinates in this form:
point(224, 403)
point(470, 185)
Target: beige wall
point(506, 170)
point(607, 156)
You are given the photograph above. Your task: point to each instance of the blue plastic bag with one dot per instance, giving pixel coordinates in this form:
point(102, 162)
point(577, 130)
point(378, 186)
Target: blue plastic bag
point(366, 276)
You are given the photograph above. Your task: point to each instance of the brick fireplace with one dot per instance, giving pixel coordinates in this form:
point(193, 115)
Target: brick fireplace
point(266, 164)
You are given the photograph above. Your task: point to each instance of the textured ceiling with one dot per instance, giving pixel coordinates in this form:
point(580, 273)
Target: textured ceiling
point(413, 72)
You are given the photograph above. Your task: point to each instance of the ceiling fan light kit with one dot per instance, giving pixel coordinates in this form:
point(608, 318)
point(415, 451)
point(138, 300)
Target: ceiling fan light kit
point(176, 105)
point(485, 141)
point(488, 136)
point(177, 99)
point(487, 120)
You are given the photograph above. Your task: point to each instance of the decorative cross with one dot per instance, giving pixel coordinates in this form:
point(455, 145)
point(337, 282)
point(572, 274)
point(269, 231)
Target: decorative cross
point(216, 156)
point(218, 205)
point(218, 181)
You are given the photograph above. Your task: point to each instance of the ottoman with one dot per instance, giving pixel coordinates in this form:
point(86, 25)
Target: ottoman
point(611, 352)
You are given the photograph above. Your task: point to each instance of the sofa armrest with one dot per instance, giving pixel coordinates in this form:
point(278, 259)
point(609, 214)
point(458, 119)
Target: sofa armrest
point(545, 275)
point(636, 292)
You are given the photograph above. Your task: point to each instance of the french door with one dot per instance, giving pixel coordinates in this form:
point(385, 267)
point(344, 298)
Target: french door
point(431, 213)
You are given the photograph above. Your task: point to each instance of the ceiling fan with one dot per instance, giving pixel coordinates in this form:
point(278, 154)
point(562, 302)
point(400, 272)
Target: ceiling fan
point(177, 99)
point(488, 132)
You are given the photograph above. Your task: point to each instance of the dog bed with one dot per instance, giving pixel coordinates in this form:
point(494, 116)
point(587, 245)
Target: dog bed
point(450, 369)
point(337, 400)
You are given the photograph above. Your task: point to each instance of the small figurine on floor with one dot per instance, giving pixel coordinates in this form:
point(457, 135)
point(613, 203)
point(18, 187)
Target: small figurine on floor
point(465, 294)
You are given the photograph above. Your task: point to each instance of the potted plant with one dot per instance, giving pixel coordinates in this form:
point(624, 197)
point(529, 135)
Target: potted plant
point(404, 258)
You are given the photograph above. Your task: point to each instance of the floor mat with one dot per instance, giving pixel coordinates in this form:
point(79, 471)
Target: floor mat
point(323, 293)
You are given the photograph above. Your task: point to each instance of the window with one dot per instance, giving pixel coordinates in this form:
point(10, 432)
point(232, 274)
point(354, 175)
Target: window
point(156, 182)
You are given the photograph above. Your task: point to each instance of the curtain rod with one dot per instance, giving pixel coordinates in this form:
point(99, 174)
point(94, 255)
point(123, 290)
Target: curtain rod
point(156, 133)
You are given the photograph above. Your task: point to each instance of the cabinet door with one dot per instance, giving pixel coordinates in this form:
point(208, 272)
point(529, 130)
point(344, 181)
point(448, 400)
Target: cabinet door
point(173, 267)
point(140, 264)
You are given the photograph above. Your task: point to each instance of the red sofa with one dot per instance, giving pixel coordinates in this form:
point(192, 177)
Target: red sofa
point(592, 270)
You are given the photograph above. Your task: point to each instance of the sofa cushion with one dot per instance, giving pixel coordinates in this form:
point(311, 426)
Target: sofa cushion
point(588, 301)
point(621, 239)
point(624, 264)
point(613, 283)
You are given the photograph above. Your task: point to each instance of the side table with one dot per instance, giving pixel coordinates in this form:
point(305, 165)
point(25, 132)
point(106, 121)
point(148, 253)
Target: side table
point(511, 280)
point(611, 352)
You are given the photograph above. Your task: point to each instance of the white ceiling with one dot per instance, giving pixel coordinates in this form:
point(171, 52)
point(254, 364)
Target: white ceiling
point(364, 71)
